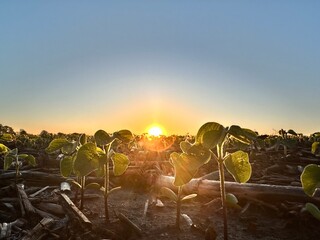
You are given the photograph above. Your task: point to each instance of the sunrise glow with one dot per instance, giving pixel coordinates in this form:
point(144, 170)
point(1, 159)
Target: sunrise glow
point(155, 131)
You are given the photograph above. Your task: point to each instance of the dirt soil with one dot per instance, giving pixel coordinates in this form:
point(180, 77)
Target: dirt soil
point(202, 216)
point(256, 222)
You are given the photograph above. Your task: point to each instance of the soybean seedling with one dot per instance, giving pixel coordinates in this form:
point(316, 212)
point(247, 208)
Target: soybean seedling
point(185, 166)
point(215, 138)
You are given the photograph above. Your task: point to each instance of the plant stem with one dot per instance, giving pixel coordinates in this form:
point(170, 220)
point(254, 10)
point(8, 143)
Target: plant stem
point(106, 186)
point(83, 182)
point(17, 170)
point(178, 207)
point(223, 191)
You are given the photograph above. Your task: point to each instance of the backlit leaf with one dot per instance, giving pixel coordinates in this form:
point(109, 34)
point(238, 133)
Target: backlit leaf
point(185, 146)
point(66, 166)
point(22, 156)
point(87, 159)
point(315, 147)
point(102, 138)
point(313, 209)
point(120, 163)
point(210, 134)
point(83, 139)
point(232, 201)
point(31, 160)
point(242, 134)
point(3, 148)
point(69, 148)
point(310, 179)
point(238, 166)
point(124, 135)
point(57, 144)
point(167, 192)
point(185, 167)
point(7, 137)
point(8, 159)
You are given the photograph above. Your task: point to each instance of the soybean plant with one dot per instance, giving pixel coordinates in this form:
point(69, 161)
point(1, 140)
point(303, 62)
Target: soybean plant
point(214, 137)
point(107, 153)
point(12, 158)
point(78, 157)
point(186, 165)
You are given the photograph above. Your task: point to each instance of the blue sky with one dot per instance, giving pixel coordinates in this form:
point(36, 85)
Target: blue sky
point(79, 66)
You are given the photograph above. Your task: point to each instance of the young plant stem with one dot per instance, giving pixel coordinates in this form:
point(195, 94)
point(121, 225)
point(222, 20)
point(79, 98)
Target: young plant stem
point(222, 190)
point(83, 184)
point(17, 170)
point(106, 185)
point(178, 207)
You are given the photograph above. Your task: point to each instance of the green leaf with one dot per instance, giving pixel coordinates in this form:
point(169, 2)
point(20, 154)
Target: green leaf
point(7, 137)
point(185, 166)
point(66, 166)
point(238, 166)
point(8, 159)
point(102, 138)
point(22, 156)
point(292, 132)
point(69, 148)
point(124, 135)
point(120, 163)
point(92, 186)
point(202, 154)
point(313, 209)
point(190, 196)
point(83, 139)
point(310, 179)
point(31, 160)
point(315, 147)
point(87, 160)
point(232, 201)
point(243, 135)
point(57, 144)
point(167, 192)
point(103, 158)
point(185, 146)
point(3, 149)
point(210, 134)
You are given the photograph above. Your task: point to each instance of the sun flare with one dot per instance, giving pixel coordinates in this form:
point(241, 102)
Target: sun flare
point(155, 131)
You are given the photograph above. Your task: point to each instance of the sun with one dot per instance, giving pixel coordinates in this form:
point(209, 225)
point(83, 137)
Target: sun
point(155, 131)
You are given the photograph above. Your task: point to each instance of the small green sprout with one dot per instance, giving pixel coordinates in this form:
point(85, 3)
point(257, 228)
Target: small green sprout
point(185, 165)
point(12, 158)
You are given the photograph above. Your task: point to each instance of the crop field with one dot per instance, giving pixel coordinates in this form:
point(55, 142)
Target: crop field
point(222, 183)
point(159, 120)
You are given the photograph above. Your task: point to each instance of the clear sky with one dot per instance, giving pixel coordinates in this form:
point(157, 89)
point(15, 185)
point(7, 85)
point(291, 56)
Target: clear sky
point(79, 66)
